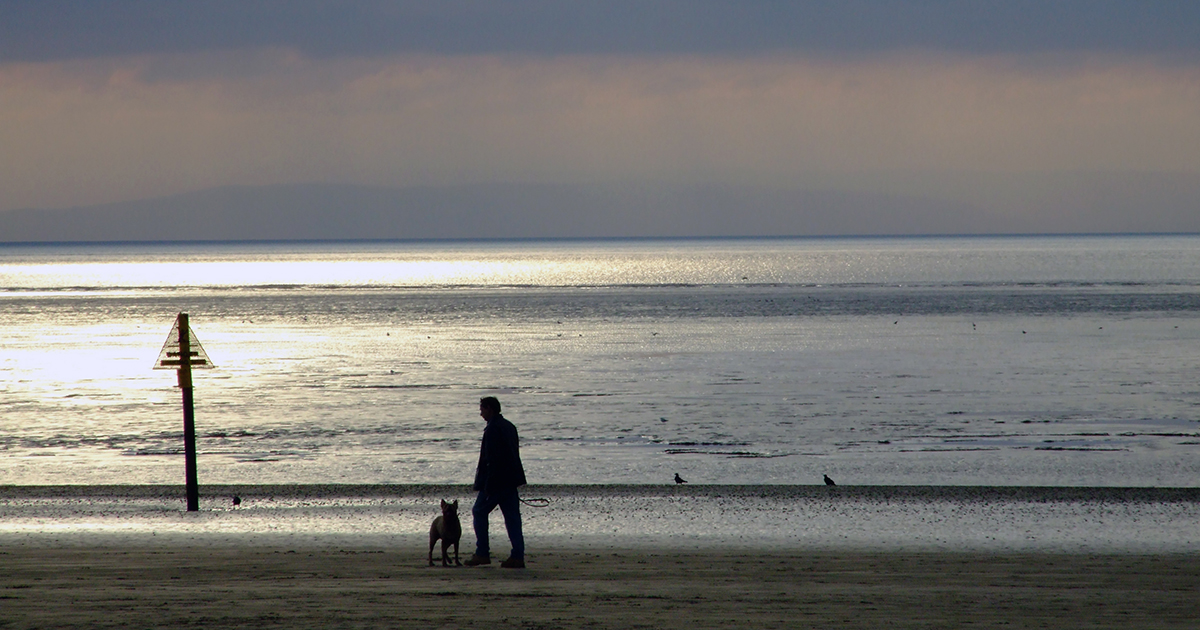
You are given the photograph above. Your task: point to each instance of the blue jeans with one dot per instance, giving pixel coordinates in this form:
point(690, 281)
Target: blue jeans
point(510, 506)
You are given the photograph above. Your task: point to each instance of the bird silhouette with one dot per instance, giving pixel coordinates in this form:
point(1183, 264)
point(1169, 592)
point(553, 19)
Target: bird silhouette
point(828, 481)
point(679, 479)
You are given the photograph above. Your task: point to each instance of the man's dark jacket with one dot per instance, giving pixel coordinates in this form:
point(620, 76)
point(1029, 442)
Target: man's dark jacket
point(499, 458)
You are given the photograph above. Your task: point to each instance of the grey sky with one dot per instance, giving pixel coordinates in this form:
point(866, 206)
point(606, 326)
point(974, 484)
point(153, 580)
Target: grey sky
point(1002, 116)
point(62, 29)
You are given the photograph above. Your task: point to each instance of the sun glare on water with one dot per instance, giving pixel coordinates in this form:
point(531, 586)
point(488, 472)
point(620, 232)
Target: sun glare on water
point(163, 274)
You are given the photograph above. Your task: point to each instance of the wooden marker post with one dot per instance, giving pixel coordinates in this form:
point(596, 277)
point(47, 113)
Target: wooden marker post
point(181, 352)
point(189, 414)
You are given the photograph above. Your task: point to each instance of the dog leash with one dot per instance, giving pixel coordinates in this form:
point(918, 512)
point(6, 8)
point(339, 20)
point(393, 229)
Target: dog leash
point(537, 502)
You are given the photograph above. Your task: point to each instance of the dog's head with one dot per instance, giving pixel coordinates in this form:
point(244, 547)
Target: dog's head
point(450, 509)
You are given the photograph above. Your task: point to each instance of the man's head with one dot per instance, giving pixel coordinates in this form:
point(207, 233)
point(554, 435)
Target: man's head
point(489, 407)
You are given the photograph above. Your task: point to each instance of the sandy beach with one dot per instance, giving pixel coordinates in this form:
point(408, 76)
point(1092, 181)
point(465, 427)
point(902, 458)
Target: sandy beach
point(604, 557)
point(230, 586)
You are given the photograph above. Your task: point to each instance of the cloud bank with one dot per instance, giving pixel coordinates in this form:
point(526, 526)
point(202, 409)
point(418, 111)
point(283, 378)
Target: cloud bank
point(999, 129)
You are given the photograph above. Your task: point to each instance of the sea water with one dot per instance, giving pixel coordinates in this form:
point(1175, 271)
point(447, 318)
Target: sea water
point(982, 361)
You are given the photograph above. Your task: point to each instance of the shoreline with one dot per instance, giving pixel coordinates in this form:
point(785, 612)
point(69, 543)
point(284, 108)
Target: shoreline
point(685, 518)
point(613, 588)
point(918, 492)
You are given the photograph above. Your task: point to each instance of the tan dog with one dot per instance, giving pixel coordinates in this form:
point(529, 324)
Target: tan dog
point(449, 530)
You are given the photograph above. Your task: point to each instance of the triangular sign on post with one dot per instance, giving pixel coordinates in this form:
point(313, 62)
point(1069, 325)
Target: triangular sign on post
point(168, 357)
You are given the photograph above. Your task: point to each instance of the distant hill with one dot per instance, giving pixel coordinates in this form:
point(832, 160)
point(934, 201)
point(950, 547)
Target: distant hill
point(320, 211)
point(348, 212)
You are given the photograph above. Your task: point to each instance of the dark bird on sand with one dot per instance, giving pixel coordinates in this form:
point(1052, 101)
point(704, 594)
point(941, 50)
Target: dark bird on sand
point(828, 481)
point(237, 500)
point(679, 479)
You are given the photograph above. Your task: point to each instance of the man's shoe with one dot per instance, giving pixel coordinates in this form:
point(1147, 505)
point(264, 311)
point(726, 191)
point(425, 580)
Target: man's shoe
point(475, 560)
point(513, 563)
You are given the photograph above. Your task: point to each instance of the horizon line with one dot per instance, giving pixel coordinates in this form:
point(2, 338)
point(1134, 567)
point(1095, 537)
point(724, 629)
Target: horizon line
point(534, 239)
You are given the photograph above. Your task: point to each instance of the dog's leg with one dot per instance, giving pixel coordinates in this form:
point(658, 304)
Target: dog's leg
point(433, 538)
point(456, 562)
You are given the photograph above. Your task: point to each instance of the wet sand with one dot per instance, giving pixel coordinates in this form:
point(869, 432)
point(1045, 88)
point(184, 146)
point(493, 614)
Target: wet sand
point(692, 517)
point(328, 587)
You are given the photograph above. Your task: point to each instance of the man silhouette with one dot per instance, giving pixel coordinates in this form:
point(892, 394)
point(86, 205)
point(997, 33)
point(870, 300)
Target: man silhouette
point(497, 478)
